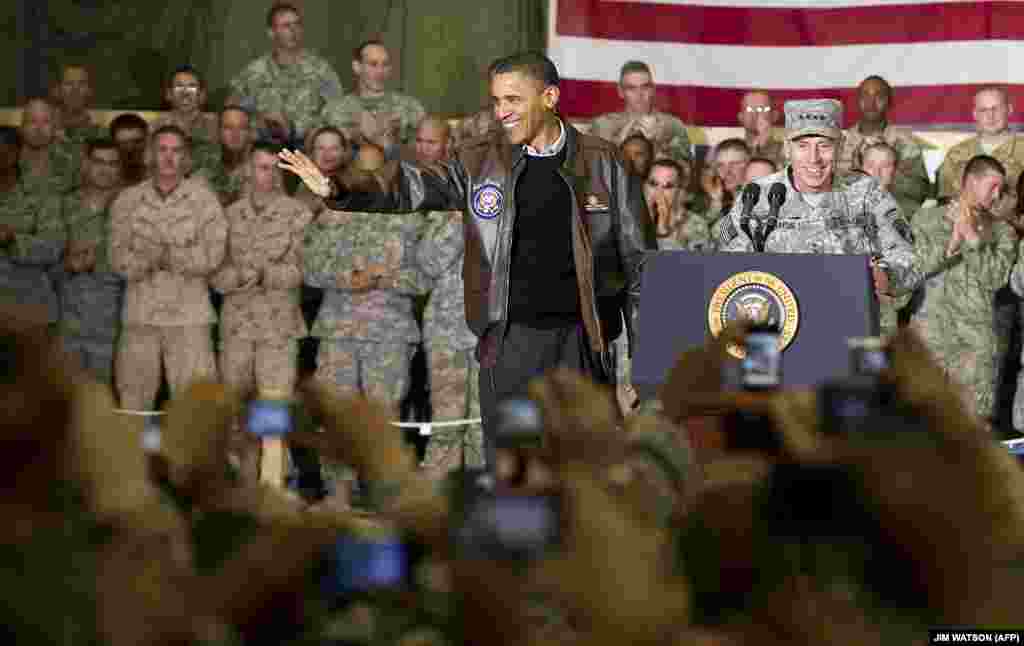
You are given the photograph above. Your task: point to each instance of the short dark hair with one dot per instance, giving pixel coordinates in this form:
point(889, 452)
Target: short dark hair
point(531, 64)
point(127, 121)
point(875, 77)
point(982, 165)
point(264, 146)
point(358, 50)
point(734, 143)
point(636, 136)
point(185, 69)
point(171, 129)
point(233, 107)
point(9, 136)
point(633, 67)
point(672, 164)
point(327, 130)
point(764, 160)
point(279, 8)
point(99, 143)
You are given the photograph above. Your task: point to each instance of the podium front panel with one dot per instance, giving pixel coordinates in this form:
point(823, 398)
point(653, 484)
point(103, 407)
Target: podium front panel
point(834, 296)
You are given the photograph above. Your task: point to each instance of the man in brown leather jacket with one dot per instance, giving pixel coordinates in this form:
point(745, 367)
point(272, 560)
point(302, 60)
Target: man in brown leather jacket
point(553, 232)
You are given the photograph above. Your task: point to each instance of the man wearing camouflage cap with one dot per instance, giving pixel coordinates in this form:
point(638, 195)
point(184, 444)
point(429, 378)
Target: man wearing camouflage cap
point(824, 211)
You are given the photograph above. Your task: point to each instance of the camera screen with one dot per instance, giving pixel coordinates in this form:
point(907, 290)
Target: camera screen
point(268, 418)
point(510, 526)
point(761, 363)
point(362, 565)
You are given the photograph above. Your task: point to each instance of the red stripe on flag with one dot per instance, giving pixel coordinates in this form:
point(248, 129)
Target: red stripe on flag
point(781, 27)
point(712, 106)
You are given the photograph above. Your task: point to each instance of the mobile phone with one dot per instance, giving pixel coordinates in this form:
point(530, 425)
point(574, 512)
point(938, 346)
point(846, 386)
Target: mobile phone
point(364, 564)
point(857, 404)
point(761, 366)
point(509, 527)
point(269, 417)
point(518, 424)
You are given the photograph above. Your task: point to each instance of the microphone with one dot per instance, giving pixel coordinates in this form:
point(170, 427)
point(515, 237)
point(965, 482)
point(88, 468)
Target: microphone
point(776, 197)
point(751, 194)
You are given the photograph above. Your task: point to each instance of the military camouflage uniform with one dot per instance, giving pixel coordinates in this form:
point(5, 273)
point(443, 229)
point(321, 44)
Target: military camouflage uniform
point(229, 185)
point(1011, 154)
point(204, 134)
point(78, 135)
point(90, 302)
point(774, 149)
point(62, 174)
point(856, 217)
point(402, 111)
point(956, 316)
point(26, 262)
point(313, 202)
point(449, 343)
point(910, 183)
point(165, 248)
point(687, 232)
point(260, 320)
point(298, 91)
point(666, 131)
point(367, 337)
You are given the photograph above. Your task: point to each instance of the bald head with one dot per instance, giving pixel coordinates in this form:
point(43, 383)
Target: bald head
point(432, 140)
point(37, 123)
point(757, 115)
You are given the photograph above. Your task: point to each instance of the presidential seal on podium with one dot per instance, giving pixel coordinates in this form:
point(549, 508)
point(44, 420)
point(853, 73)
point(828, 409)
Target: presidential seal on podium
point(756, 296)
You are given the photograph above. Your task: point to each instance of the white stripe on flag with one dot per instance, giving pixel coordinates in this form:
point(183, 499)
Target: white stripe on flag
point(729, 66)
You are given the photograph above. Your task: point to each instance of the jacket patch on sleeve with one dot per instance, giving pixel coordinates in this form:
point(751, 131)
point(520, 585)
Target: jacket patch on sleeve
point(487, 200)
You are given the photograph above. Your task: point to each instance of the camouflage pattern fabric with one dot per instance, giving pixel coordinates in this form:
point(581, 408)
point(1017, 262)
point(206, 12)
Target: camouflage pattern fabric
point(78, 135)
point(186, 352)
point(62, 174)
point(454, 395)
point(90, 302)
point(38, 246)
point(339, 242)
point(956, 318)
point(229, 185)
point(1011, 154)
point(910, 182)
point(687, 232)
point(666, 131)
point(379, 371)
point(298, 91)
point(856, 217)
point(403, 112)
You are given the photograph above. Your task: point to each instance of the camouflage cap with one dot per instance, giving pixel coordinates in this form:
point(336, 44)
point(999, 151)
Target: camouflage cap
point(822, 117)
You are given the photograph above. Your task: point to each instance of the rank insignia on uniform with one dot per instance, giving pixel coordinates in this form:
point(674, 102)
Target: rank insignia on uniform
point(487, 201)
point(759, 297)
point(595, 203)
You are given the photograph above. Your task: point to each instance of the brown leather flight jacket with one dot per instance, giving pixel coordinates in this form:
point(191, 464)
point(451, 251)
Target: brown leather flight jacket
point(611, 230)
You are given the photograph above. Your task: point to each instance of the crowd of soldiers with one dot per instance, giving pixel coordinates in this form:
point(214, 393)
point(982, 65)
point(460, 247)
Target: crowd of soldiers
point(120, 236)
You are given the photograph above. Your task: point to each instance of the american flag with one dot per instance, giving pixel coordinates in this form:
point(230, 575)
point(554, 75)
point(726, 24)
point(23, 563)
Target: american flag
point(706, 54)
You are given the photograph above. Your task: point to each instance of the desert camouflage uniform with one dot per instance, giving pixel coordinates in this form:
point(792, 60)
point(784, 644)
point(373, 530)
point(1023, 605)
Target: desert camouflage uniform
point(956, 315)
point(298, 91)
point(666, 131)
point(1011, 154)
point(90, 302)
point(63, 172)
point(774, 150)
point(260, 278)
point(449, 344)
point(367, 337)
point(204, 134)
point(229, 186)
point(26, 262)
point(402, 111)
point(165, 248)
point(910, 183)
point(856, 217)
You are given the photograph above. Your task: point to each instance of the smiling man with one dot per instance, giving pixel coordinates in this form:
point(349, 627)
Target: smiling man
point(825, 211)
point(553, 241)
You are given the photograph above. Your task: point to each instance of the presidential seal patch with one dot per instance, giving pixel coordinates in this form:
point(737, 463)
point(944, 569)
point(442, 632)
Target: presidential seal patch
point(759, 297)
point(487, 201)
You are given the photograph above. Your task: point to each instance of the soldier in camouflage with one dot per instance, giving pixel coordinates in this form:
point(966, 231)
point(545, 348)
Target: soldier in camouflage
point(667, 132)
point(130, 132)
point(227, 172)
point(185, 93)
point(167, 236)
point(372, 113)
point(31, 239)
point(449, 343)
point(48, 164)
point(826, 212)
point(910, 184)
point(724, 173)
point(330, 151)
point(881, 161)
point(758, 115)
point(89, 290)
point(433, 145)
point(965, 255)
point(676, 227)
point(74, 92)
point(992, 111)
point(286, 89)
point(261, 322)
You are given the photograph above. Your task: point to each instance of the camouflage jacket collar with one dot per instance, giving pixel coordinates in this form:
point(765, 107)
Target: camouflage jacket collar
point(152, 195)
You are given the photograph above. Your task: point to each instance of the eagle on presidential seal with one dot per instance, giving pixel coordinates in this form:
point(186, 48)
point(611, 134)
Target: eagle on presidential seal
point(758, 297)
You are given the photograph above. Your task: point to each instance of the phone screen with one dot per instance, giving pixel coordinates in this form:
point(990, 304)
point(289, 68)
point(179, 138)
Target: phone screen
point(510, 527)
point(359, 564)
point(269, 418)
point(761, 364)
